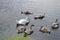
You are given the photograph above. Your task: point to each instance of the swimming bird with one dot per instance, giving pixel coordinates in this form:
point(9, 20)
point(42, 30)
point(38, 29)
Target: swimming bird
point(39, 16)
point(23, 22)
point(44, 29)
point(55, 25)
point(26, 12)
point(21, 29)
point(28, 31)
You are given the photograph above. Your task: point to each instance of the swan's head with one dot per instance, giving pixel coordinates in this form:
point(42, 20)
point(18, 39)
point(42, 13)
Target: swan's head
point(22, 12)
point(27, 18)
point(41, 26)
point(56, 20)
point(32, 25)
point(17, 21)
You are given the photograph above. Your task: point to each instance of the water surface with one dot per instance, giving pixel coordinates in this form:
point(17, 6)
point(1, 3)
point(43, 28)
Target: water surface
point(10, 11)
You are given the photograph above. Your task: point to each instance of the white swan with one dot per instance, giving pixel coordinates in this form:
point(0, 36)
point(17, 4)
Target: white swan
point(44, 30)
point(23, 22)
point(55, 25)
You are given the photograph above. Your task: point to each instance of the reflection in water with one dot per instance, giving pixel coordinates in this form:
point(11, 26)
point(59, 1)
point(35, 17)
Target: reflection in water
point(10, 11)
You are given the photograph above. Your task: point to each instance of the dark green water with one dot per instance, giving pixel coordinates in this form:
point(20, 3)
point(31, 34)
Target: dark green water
point(10, 11)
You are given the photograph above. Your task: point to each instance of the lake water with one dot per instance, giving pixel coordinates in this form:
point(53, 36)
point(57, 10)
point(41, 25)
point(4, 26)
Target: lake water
point(10, 11)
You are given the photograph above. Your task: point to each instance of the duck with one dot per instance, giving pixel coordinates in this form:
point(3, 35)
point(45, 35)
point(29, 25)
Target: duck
point(23, 22)
point(26, 12)
point(28, 31)
point(55, 25)
point(21, 29)
point(39, 17)
point(44, 29)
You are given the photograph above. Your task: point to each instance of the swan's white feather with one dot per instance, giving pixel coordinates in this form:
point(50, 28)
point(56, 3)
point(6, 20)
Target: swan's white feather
point(23, 21)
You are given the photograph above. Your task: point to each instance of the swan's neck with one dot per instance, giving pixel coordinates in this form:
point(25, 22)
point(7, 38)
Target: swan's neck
point(28, 19)
point(56, 20)
point(41, 27)
point(31, 27)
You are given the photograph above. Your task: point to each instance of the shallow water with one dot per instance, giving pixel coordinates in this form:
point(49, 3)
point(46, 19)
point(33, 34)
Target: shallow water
point(10, 11)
